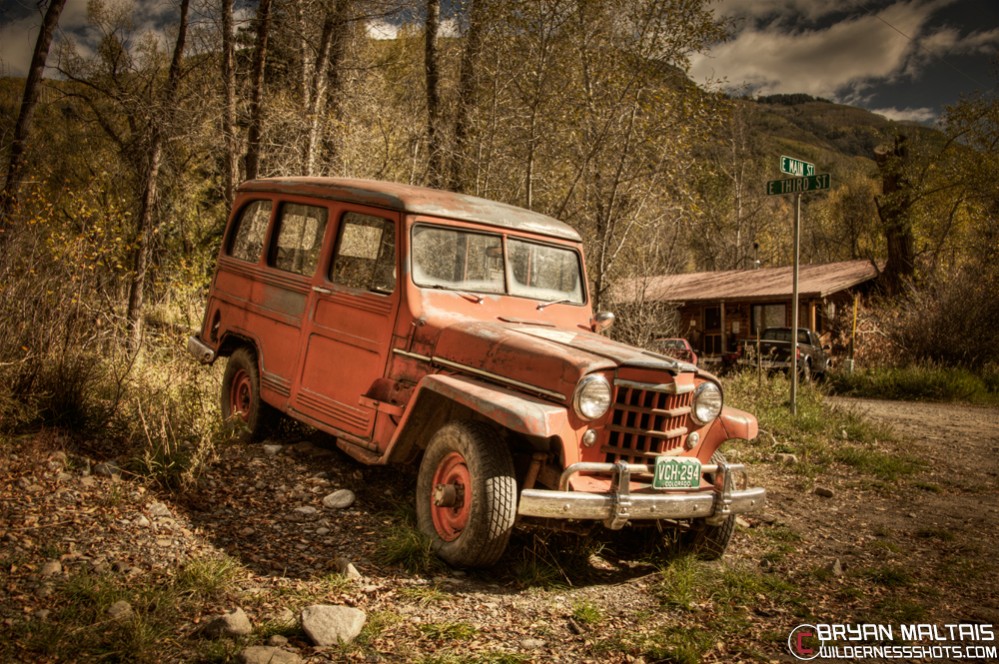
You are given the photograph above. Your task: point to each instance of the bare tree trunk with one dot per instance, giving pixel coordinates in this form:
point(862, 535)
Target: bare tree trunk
point(336, 80)
point(326, 76)
point(146, 222)
point(144, 241)
point(15, 167)
point(229, 102)
point(467, 84)
point(256, 110)
point(316, 93)
point(895, 212)
point(435, 175)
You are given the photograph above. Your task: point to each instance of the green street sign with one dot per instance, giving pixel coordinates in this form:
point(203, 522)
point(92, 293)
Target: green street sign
point(796, 167)
point(799, 185)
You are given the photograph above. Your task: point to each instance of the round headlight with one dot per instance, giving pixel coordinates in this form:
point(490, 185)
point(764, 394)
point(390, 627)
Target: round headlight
point(592, 397)
point(707, 402)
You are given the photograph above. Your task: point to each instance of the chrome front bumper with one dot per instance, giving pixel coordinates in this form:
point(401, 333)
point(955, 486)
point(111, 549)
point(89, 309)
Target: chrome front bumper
point(620, 505)
point(199, 350)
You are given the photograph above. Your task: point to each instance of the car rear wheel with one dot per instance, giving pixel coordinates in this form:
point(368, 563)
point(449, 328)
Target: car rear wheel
point(704, 540)
point(241, 396)
point(466, 494)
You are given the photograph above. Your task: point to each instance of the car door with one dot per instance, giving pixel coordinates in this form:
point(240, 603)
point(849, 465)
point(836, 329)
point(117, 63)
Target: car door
point(348, 331)
point(264, 280)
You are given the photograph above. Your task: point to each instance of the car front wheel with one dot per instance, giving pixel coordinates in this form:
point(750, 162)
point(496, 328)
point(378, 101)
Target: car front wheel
point(466, 494)
point(704, 540)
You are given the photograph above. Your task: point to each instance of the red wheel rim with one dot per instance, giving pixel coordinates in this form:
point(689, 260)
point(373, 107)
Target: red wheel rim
point(451, 497)
point(241, 395)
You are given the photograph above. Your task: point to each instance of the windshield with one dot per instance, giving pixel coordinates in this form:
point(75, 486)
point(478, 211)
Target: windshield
point(784, 334)
point(456, 259)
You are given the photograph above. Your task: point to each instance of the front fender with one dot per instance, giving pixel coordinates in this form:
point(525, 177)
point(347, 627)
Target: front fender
point(732, 423)
point(518, 412)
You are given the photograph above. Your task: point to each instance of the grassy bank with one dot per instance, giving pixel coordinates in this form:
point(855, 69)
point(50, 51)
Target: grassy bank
point(920, 383)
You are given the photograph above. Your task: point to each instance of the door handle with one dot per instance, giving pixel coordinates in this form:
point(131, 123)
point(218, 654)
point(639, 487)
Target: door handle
point(322, 291)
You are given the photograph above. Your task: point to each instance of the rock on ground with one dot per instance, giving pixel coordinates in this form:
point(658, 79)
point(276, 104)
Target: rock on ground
point(233, 623)
point(268, 655)
point(339, 500)
point(120, 610)
point(327, 625)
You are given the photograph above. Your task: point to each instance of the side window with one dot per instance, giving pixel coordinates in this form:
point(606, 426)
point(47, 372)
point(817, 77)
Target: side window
point(365, 254)
point(300, 230)
point(247, 242)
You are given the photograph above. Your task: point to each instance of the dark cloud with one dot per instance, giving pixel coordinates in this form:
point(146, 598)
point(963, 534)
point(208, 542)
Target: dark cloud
point(847, 51)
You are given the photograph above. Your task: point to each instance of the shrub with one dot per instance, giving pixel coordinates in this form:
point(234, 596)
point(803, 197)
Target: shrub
point(951, 320)
point(59, 363)
point(926, 382)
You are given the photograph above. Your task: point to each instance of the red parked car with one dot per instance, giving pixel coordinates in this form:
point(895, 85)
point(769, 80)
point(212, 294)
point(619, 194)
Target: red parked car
point(674, 347)
point(420, 326)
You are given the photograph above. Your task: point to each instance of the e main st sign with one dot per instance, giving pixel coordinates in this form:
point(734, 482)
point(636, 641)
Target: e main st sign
point(796, 167)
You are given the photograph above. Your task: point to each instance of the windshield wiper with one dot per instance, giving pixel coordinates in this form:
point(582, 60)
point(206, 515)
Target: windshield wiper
point(542, 305)
point(471, 297)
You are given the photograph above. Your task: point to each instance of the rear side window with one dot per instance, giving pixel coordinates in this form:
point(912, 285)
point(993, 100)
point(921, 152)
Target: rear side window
point(365, 254)
point(299, 233)
point(251, 227)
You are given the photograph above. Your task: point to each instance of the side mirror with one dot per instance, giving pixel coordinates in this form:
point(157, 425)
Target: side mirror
point(602, 321)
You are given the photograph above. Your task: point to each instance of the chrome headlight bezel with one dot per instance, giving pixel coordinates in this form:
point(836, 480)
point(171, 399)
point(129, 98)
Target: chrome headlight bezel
point(592, 398)
point(707, 403)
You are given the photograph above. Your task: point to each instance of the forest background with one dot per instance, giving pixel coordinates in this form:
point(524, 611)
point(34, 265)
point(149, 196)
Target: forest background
point(122, 165)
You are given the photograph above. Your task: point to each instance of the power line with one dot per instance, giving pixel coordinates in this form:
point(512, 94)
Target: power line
point(915, 43)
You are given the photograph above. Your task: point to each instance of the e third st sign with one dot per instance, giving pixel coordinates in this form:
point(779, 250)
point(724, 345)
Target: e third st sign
point(799, 185)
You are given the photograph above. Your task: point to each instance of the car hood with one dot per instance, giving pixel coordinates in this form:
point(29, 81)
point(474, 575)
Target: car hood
point(546, 357)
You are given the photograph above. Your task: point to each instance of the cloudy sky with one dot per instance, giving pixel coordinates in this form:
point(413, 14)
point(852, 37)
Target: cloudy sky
point(906, 59)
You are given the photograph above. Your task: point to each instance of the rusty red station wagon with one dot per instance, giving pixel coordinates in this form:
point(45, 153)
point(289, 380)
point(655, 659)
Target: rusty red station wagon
point(417, 325)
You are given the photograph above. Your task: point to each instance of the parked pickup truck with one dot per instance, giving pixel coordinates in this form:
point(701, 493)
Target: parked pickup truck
point(774, 352)
point(425, 327)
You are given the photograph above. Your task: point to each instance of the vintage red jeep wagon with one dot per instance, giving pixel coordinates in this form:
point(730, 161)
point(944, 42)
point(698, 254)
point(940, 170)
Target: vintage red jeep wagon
point(415, 324)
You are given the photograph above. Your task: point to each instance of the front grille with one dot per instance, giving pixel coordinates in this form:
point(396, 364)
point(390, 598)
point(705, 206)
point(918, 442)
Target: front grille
point(648, 420)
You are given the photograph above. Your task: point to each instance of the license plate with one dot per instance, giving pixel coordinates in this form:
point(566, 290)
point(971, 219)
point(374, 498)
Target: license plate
point(676, 473)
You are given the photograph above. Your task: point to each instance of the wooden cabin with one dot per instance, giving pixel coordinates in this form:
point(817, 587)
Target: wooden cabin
point(718, 310)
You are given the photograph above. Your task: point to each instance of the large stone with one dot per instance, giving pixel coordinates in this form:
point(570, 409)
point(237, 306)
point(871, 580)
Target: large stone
point(231, 623)
point(339, 500)
point(268, 655)
point(327, 625)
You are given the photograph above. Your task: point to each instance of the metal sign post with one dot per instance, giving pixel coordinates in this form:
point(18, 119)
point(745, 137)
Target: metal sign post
point(806, 182)
point(794, 305)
